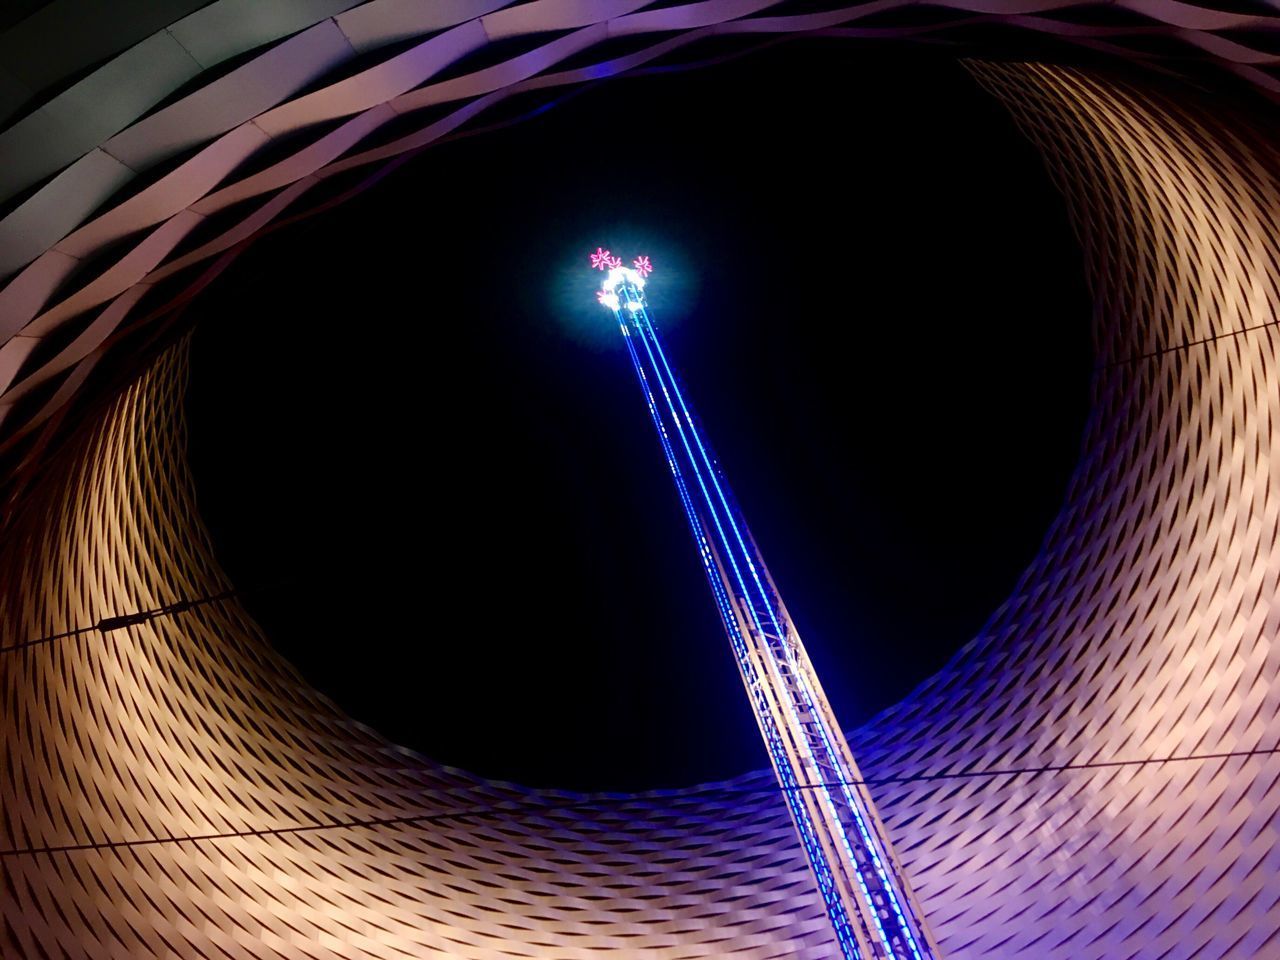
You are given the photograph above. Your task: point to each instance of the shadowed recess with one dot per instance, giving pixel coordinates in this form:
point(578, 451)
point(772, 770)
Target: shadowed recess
point(880, 310)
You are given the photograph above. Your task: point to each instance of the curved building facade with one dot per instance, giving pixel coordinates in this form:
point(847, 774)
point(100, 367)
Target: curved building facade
point(1093, 776)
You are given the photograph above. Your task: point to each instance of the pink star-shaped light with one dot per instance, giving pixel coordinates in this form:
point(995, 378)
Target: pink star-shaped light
point(615, 262)
point(643, 266)
point(601, 259)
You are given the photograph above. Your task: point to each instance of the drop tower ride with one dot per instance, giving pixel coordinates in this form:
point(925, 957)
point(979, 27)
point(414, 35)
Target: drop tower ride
point(872, 909)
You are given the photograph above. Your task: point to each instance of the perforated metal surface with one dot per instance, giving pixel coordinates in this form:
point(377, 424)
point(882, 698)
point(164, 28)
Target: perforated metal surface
point(203, 800)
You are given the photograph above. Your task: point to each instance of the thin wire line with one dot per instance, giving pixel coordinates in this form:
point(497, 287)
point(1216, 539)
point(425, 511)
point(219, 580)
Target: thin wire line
point(120, 621)
point(596, 803)
point(108, 624)
point(1187, 346)
point(1059, 767)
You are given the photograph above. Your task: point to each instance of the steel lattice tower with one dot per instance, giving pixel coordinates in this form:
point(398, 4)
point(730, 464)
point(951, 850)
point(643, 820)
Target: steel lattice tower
point(867, 897)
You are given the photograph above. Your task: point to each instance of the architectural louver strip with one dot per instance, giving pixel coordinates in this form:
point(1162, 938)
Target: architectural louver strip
point(196, 799)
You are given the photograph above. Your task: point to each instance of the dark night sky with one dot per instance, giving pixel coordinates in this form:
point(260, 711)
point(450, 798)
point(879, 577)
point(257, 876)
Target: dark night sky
point(415, 429)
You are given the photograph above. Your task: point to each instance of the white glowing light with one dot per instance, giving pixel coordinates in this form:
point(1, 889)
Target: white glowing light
point(620, 276)
point(623, 275)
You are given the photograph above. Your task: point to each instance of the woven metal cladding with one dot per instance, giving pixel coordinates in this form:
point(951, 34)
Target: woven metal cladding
point(199, 135)
point(199, 800)
point(310, 834)
point(1146, 627)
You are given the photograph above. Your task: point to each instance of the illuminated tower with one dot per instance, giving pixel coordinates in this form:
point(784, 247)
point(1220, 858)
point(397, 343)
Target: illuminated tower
point(871, 906)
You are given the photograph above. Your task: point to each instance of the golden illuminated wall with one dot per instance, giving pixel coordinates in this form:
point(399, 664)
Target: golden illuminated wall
point(310, 837)
point(173, 789)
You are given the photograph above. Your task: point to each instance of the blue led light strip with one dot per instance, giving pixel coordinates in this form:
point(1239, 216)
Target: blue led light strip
point(871, 907)
point(764, 716)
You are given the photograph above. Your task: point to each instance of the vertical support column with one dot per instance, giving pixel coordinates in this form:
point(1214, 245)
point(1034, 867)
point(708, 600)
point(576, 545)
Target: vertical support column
point(874, 914)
